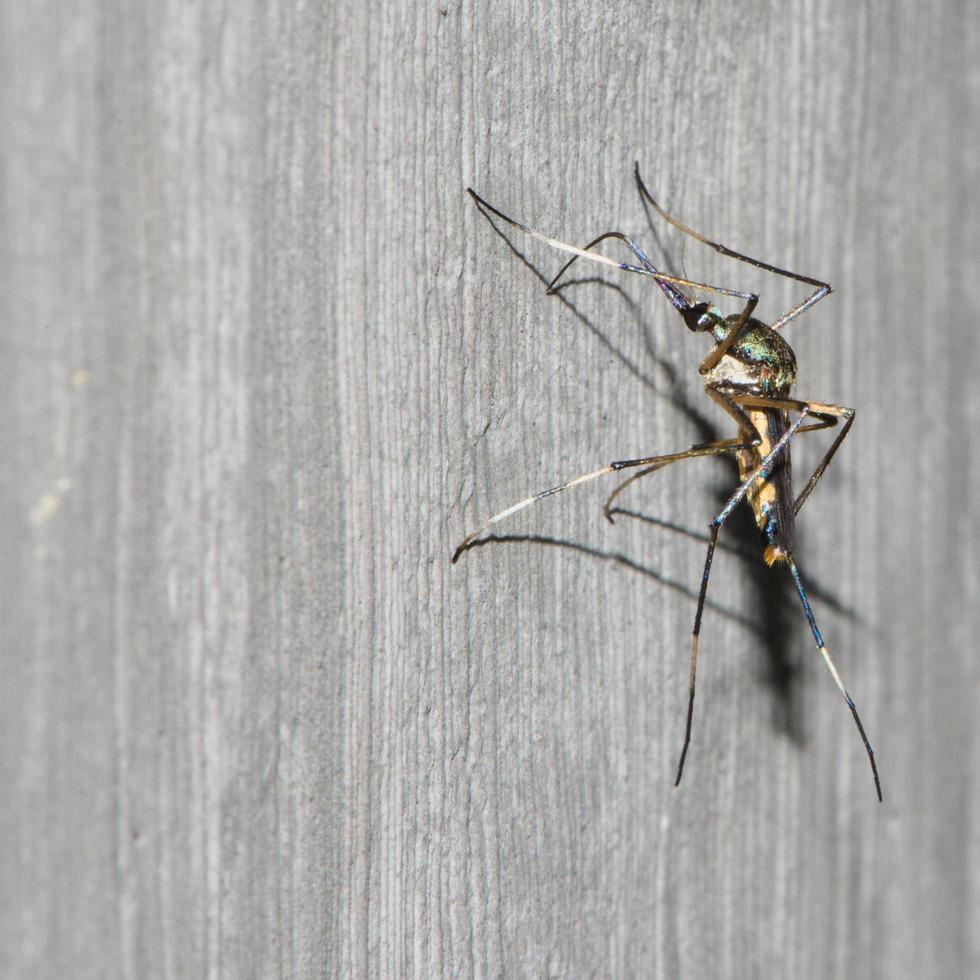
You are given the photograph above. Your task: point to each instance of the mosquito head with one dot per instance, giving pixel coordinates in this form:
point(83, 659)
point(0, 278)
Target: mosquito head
point(701, 317)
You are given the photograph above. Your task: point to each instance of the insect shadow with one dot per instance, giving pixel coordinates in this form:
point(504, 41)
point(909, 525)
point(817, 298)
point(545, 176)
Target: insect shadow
point(772, 597)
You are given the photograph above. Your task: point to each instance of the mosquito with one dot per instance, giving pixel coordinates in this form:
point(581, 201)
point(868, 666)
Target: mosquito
point(749, 373)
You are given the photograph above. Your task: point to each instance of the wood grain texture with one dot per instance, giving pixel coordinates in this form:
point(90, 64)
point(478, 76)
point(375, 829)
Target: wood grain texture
point(263, 365)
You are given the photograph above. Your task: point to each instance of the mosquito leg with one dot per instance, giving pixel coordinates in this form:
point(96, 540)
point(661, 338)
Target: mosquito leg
point(692, 678)
point(825, 413)
point(667, 283)
point(659, 277)
point(725, 445)
point(847, 413)
point(657, 463)
point(619, 236)
point(723, 249)
point(833, 670)
point(526, 502)
point(534, 498)
point(727, 397)
point(792, 314)
point(822, 289)
point(678, 300)
point(713, 528)
point(717, 353)
point(827, 416)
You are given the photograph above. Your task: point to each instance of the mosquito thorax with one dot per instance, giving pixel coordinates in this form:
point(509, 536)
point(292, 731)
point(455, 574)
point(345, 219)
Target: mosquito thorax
point(760, 349)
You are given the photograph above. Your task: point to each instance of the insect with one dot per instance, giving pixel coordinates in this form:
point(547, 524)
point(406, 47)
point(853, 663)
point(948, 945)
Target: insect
point(749, 372)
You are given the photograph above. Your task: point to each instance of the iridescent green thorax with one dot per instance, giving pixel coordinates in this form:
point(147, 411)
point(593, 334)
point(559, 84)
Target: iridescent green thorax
point(761, 348)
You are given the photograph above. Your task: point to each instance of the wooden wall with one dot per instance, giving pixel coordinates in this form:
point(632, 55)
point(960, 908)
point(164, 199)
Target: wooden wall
point(264, 364)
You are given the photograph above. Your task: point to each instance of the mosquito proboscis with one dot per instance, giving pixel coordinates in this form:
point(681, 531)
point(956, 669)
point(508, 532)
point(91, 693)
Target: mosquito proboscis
point(749, 373)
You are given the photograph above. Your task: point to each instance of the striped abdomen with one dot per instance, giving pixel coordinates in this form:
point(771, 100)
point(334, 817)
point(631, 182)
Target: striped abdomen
point(771, 496)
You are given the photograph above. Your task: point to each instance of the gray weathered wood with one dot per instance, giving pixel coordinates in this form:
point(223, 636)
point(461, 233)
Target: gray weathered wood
point(264, 365)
